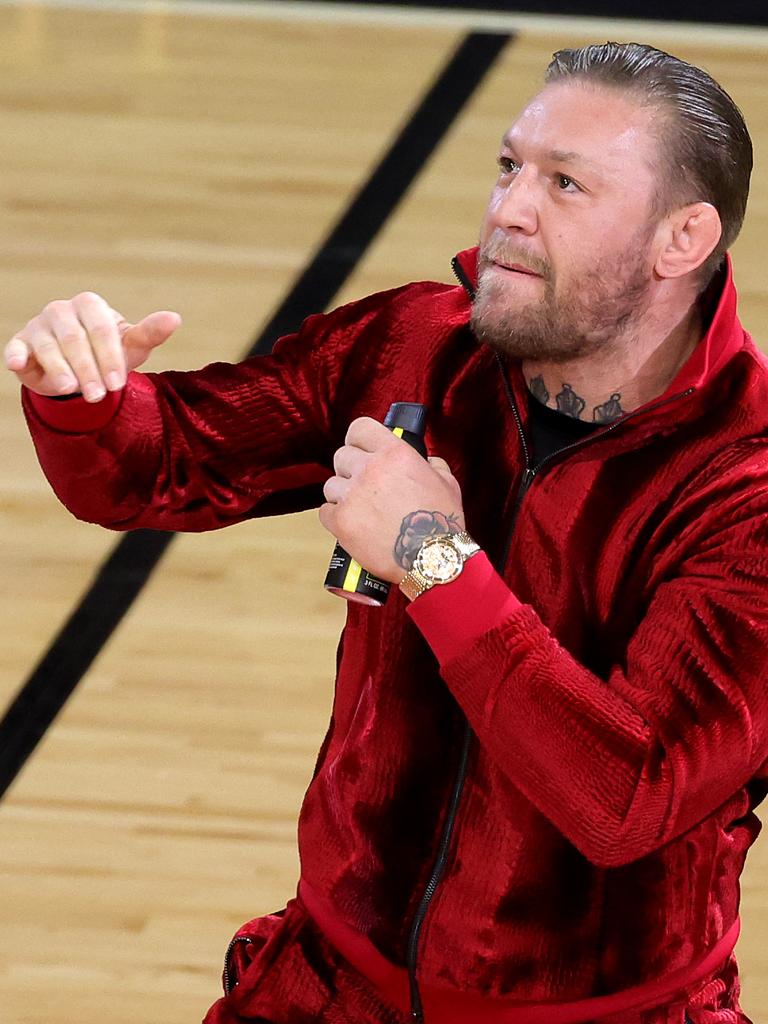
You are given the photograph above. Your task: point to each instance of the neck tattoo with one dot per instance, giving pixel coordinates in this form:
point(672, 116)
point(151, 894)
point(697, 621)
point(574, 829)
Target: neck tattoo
point(570, 404)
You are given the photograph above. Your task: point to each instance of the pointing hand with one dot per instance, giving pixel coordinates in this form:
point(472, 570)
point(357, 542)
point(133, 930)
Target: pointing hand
point(84, 345)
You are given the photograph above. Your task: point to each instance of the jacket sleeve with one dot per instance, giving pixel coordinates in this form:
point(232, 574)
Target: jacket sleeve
point(623, 764)
point(199, 450)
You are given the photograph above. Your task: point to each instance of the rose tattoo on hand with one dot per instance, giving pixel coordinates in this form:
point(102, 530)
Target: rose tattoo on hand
point(416, 528)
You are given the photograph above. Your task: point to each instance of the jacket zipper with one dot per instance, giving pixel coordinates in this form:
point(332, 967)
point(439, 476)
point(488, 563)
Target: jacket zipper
point(529, 474)
point(228, 980)
point(417, 1010)
point(462, 278)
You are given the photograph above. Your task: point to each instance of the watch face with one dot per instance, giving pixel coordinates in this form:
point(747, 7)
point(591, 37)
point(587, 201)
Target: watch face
point(439, 561)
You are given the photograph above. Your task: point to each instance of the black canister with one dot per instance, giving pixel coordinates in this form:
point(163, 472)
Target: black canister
point(346, 577)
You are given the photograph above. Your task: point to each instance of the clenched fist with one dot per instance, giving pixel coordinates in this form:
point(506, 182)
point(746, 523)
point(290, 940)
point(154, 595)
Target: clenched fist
point(382, 494)
point(84, 345)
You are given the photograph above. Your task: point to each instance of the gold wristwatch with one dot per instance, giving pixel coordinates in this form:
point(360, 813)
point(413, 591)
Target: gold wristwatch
point(440, 560)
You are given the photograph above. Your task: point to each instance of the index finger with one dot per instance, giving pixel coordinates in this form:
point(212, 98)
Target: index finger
point(369, 435)
point(97, 317)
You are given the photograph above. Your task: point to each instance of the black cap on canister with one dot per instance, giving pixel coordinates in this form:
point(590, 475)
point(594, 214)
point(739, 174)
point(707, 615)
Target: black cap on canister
point(409, 416)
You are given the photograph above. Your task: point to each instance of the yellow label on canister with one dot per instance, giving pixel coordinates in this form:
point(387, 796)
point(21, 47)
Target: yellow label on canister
point(352, 577)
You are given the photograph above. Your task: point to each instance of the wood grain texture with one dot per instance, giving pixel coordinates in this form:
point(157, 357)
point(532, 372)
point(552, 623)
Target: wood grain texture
point(194, 165)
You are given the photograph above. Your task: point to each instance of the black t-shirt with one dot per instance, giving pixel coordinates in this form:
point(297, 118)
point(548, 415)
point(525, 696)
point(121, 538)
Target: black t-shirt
point(550, 430)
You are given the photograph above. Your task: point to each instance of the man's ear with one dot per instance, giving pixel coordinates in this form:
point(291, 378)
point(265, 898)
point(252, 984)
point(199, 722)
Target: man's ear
point(689, 236)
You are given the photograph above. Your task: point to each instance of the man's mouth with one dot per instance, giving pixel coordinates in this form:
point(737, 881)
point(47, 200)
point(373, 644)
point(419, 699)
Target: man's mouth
point(516, 268)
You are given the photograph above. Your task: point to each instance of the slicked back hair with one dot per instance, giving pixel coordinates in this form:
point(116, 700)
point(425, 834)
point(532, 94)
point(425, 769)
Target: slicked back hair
point(704, 146)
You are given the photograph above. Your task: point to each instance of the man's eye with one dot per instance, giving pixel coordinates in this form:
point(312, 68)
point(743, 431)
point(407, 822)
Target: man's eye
point(566, 184)
point(507, 165)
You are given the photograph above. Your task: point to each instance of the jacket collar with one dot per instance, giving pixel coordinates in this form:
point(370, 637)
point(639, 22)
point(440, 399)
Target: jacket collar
point(722, 340)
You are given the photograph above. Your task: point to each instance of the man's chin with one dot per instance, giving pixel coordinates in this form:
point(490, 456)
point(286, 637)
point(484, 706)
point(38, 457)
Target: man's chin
point(498, 307)
point(535, 347)
point(528, 338)
point(499, 336)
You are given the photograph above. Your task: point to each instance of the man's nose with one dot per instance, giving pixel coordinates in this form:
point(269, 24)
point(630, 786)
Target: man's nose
point(515, 206)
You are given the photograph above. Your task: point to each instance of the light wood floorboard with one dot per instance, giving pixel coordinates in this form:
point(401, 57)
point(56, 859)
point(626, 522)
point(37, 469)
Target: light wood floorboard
point(194, 165)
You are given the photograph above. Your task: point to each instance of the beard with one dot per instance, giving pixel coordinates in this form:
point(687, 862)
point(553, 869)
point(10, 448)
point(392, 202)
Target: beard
point(587, 314)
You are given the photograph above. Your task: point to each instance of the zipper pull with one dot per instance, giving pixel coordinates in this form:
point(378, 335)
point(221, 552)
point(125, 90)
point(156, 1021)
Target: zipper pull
point(525, 483)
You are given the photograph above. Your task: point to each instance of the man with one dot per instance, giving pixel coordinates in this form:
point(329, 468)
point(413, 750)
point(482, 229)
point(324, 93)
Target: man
point(535, 796)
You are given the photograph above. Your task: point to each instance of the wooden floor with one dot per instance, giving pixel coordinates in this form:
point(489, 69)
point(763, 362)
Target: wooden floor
point(193, 163)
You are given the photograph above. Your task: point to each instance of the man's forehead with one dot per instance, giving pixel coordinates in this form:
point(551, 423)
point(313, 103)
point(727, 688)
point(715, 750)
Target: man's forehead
point(576, 124)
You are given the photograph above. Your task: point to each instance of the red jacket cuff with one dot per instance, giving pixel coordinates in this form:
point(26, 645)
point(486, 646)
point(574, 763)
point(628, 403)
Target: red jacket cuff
point(75, 416)
point(453, 616)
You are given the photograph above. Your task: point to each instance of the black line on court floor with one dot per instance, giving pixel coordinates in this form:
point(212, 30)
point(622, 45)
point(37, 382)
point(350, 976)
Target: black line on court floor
point(125, 571)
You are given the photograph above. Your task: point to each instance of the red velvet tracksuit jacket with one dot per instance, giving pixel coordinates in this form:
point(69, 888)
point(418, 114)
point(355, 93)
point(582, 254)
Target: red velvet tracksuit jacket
point(574, 855)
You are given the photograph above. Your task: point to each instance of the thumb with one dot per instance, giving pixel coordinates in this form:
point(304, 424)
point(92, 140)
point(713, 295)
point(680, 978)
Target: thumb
point(139, 339)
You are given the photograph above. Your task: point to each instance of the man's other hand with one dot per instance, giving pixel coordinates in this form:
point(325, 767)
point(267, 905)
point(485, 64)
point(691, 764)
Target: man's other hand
point(83, 345)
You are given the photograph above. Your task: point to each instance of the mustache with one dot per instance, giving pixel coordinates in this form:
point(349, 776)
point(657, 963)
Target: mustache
point(499, 249)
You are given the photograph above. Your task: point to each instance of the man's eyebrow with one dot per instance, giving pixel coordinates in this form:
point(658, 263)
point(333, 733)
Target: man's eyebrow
point(565, 156)
point(558, 156)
